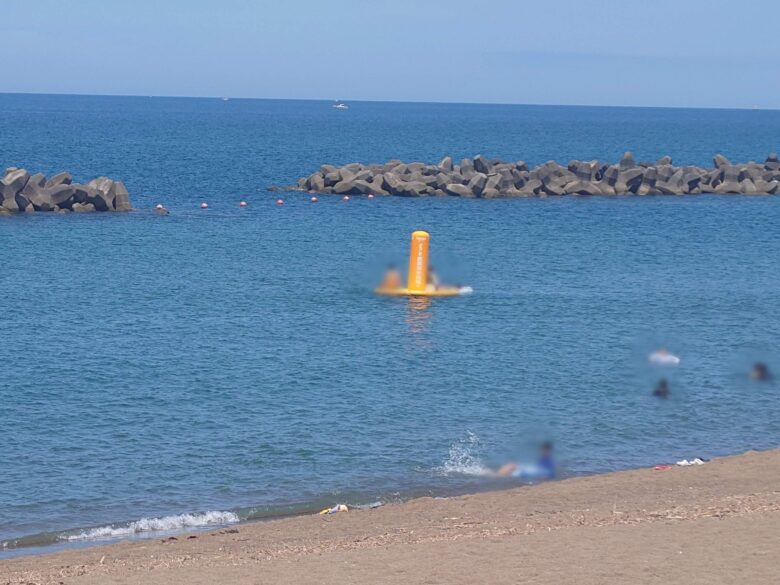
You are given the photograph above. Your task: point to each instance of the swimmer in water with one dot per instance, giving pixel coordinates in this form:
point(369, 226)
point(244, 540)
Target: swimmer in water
point(662, 390)
point(543, 469)
point(433, 279)
point(760, 372)
point(662, 357)
point(392, 278)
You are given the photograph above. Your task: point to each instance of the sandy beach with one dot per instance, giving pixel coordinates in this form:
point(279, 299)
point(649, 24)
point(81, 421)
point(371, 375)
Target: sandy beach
point(715, 523)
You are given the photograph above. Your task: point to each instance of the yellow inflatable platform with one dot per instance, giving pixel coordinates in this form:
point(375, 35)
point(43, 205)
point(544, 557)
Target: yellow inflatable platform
point(417, 285)
point(444, 291)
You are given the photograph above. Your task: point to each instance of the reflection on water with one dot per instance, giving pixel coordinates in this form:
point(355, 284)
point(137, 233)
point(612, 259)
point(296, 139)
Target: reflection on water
point(418, 315)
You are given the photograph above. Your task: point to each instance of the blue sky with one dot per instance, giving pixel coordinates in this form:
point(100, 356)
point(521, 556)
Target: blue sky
point(619, 52)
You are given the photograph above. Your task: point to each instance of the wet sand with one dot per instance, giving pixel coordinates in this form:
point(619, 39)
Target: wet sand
point(715, 523)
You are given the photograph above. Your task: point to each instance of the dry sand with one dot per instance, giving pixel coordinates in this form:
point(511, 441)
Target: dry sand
point(712, 524)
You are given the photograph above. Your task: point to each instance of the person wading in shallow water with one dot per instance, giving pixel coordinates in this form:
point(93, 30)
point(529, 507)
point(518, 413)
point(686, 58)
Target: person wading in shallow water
point(662, 390)
point(543, 469)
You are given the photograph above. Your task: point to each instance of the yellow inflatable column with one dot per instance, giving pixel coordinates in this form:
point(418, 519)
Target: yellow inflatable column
point(418, 262)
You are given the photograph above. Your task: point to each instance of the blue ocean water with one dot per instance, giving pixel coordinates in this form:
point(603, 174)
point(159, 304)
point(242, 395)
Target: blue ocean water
point(234, 361)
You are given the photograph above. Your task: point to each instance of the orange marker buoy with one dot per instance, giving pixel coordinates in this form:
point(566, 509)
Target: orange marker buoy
point(280, 201)
point(345, 198)
point(204, 205)
point(417, 283)
point(418, 262)
point(314, 200)
point(242, 204)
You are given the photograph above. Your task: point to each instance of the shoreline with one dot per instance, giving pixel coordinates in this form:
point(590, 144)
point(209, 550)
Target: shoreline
point(110, 533)
point(181, 524)
point(429, 536)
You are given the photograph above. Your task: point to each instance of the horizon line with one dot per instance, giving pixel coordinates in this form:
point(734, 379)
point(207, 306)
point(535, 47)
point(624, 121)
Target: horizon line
point(381, 101)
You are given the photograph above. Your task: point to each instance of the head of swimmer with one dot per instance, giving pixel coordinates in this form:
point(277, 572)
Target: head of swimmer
point(662, 389)
point(760, 372)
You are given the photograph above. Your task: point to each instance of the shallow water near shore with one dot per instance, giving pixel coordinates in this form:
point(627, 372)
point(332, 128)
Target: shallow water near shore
point(234, 361)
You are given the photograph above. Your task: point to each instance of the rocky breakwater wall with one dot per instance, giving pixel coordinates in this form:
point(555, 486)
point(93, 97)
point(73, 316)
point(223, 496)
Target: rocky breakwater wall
point(487, 178)
point(22, 192)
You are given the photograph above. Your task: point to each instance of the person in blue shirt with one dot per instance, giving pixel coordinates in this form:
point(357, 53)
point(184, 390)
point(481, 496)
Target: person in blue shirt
point(543, 469)
point(546, 461)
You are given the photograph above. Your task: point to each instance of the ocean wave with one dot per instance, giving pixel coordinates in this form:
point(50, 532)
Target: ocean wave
point(164, 524)
point(464, 458)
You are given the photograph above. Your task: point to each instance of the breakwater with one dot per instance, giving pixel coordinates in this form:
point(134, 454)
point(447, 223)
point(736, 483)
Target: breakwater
point(489, 178)
point(22, 192)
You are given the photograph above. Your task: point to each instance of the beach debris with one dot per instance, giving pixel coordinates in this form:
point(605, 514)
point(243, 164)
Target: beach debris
point(488, 178)
point(688, 463)
point(226, 531)
point(22, 192)
point(335, 509)
point(662, 467)
point(370, 506)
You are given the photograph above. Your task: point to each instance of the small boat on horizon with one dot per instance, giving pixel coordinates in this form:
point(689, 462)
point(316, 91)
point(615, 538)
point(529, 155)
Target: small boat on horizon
point(340, 105)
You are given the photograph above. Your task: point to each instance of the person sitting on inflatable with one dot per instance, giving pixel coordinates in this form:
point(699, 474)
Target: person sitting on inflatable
point(391, 279)
point(543, 469)
point(433, 279)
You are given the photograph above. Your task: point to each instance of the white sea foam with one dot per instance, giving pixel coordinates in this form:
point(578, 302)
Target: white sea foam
point(464, 458)
point(164, 524)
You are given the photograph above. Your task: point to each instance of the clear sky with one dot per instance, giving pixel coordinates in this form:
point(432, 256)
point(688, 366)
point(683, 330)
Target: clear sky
point(711, 53)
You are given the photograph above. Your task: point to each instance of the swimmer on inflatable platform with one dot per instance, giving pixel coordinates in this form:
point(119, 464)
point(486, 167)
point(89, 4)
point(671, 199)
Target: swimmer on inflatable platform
point(434, 283)
point(391, 279)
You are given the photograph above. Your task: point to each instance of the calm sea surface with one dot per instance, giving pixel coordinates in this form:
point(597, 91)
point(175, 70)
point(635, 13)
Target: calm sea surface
point(213, 366)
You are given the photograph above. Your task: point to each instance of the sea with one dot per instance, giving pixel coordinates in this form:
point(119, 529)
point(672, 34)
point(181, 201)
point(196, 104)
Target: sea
point(210, 367)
